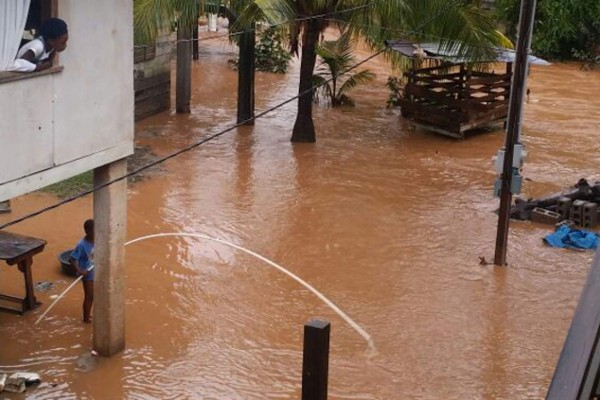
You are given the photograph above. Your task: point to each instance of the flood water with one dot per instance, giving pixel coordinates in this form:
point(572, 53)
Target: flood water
point(387, 222)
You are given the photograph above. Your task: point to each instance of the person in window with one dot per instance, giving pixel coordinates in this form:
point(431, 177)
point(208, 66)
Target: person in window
point(37, 55)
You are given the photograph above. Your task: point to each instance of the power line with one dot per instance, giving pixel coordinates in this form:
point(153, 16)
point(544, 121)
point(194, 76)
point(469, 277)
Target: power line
point(201, 142)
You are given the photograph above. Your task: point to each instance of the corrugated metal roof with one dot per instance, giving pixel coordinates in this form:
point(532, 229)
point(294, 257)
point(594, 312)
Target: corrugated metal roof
point(435, 50)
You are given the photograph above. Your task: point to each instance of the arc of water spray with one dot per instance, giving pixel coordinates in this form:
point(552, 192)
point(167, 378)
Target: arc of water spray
point(308, 286)
point(60, 296)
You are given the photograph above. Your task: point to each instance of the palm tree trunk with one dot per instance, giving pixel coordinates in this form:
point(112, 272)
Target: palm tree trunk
point(334, 97)
point(195, 43)
point(183, 92)
point(245, 104)
point(304, 128)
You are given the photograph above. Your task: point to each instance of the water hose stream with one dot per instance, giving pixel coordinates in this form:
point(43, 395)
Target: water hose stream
point(320, 295)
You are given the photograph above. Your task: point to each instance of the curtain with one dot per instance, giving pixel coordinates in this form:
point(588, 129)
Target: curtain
point(13, 16)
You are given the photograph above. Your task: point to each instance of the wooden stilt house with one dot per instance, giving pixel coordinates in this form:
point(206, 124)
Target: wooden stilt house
point(444, 95)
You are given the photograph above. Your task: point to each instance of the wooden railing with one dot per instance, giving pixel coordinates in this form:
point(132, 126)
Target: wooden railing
point(446, 96)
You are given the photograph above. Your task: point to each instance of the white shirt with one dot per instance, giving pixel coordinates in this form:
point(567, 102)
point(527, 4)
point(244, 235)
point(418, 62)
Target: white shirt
point(38, 47)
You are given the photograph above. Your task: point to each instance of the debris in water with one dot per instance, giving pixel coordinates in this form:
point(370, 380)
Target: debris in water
point(580, 205)
point(87, 362)
point(44, 286)
point(18, 382)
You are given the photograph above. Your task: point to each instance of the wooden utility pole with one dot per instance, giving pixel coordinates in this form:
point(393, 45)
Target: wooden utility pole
point(513, 130)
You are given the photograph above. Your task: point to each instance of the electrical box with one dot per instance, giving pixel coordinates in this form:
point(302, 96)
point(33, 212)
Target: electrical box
point(515, 184)
point(519, 156)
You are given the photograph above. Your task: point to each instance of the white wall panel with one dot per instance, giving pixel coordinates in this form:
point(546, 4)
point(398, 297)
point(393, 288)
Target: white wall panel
point(84, 112)
point(26, 127)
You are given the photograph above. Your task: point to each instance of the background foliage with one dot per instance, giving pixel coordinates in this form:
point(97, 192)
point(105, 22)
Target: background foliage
point(563, 29)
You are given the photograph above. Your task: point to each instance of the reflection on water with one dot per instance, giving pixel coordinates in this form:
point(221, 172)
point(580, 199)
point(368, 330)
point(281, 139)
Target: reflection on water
point(387, 222)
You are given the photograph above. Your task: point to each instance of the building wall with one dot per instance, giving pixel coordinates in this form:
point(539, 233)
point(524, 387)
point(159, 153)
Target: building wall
point(58, 125)
point(488, 4)
point(152, 80)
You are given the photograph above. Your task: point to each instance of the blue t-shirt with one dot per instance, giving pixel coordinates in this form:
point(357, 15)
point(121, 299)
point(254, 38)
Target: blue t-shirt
point(82, 254)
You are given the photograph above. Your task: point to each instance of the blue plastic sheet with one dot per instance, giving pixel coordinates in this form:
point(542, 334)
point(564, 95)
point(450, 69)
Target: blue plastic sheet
point(569, 238)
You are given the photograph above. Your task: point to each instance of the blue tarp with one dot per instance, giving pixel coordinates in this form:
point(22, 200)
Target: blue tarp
point(569, 238)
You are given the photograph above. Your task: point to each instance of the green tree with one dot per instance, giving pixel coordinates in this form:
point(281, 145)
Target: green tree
point(460, 24)
point(152, 15)
point(562, 28)
point(336, 56)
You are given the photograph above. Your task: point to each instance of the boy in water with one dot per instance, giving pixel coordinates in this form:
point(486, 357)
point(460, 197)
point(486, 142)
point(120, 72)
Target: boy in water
point(82, 259)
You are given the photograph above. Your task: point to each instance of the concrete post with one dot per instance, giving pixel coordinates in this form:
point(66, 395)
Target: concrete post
point(110, 217)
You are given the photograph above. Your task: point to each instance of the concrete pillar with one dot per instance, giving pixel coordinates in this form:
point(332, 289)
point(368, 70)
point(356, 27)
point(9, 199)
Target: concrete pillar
point(110, 217)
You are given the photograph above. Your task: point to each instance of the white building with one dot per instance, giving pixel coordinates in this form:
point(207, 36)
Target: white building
point(71, 118)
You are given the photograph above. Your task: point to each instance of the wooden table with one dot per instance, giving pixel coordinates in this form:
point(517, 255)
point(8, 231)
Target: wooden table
point(19, 250)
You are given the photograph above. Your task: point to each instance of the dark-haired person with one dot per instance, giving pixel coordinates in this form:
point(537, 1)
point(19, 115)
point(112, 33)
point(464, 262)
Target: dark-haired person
point(37, 54)
point(82, 259)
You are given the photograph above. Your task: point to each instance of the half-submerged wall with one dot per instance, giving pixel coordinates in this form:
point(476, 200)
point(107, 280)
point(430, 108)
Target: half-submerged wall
point(152, 77)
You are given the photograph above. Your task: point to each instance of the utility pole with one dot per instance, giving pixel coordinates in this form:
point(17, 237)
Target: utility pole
point(513, 130)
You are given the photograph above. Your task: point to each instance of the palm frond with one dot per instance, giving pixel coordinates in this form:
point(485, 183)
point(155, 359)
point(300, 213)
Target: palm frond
point(323, 90)
point(355, 80)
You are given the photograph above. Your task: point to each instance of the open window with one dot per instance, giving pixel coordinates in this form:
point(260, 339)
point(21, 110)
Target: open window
point(39, 11)
point(11, 41)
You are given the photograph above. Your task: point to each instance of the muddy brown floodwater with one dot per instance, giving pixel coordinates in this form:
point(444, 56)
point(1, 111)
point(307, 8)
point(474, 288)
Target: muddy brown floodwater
point(387, 222)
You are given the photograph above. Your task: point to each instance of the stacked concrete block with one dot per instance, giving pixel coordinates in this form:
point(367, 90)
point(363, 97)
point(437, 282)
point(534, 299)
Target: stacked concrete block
point(576, 214)
point(563, 207)
point(544, 216)
point(590, 215)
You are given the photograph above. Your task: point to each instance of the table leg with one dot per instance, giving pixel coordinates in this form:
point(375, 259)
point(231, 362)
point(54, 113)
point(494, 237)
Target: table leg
point(30, 301)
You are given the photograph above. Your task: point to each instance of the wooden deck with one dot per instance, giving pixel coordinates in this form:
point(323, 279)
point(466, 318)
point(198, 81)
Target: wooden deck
point(453, 99)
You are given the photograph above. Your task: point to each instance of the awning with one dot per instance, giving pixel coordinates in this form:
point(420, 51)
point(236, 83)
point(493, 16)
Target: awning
point(435, 50)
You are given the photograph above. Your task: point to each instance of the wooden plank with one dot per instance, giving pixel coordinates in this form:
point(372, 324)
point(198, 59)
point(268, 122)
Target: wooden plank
point(450, 76)
point(489, 80)
point(446, 132)
point(572, 373)
point(156, 80)
point(433, 115)
point(13, 247)
point(436, 68)
point(13, 299)
point(6, 76)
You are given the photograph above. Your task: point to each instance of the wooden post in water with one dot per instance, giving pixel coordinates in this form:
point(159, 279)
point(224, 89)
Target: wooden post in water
point(110, 217)
point(183, 84)
point(245, 111)
point(513, 130)
point(315, 360)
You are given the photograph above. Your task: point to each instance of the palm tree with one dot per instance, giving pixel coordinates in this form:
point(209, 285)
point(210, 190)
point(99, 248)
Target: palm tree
point(460, 24)
point(336, 58)
point(152, 15)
